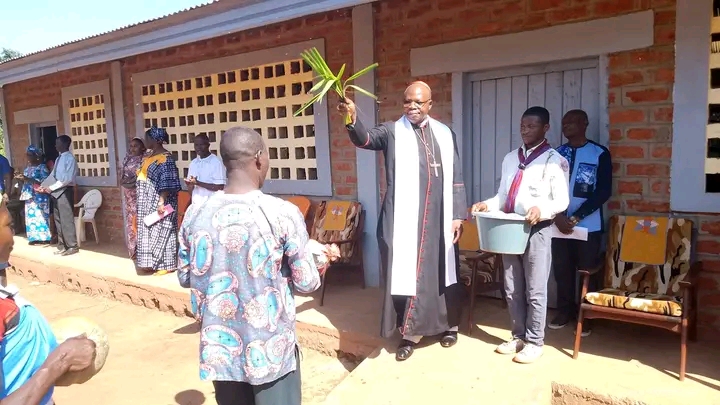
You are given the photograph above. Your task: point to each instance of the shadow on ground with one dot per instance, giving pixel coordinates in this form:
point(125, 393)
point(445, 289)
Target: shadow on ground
point(653, 347)
point(190, 397)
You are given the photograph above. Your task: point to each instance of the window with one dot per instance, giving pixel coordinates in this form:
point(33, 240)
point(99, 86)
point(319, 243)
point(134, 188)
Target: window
point(712, 155)
point(212, 96)
point(696, 98)
point(88, 123)
point(88, 130)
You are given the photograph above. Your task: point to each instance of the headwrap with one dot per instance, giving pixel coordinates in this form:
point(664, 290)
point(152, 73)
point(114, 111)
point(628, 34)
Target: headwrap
point(34, 150)
point(158, 134)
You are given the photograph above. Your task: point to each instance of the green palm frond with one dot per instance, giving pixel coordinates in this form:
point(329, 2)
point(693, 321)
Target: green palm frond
point(327, 80)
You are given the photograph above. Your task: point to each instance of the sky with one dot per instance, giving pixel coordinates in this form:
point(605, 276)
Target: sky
point(33, 25)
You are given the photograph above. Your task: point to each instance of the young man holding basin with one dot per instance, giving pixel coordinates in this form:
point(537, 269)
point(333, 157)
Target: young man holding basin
point(534, 184)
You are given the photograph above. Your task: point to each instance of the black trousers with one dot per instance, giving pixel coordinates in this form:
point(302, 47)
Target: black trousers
point(65, 219)
point(569, 256)
point(284, 391)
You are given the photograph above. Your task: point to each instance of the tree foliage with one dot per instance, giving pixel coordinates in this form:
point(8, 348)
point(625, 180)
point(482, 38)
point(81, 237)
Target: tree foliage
point(7, 54)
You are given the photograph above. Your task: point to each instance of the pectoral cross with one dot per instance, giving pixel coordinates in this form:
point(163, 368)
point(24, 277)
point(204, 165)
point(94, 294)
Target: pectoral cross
point(435, 166)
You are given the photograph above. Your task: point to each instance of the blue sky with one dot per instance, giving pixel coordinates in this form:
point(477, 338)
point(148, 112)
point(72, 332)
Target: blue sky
point(32, 25)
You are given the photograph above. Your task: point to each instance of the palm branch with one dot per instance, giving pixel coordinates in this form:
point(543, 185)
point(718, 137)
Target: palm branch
point(327, 80)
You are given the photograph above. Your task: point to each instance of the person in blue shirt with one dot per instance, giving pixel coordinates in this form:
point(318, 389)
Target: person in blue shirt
point(590, 187)
point(6, 174)
point(31, 359)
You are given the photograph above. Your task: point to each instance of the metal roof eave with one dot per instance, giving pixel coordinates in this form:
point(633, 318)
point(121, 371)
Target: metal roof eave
point(235, 20)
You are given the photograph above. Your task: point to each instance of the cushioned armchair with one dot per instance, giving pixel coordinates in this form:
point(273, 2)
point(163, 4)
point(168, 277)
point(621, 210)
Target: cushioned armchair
point(341, 223)
point(649, 278)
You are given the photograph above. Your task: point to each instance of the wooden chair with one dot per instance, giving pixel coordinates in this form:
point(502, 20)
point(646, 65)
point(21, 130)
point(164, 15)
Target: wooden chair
point(481, 271)
point(303, 204)
point(347, 235)
point(184, 201)
point(660, 295)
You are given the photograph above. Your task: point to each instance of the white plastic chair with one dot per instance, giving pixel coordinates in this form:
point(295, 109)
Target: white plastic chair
point(89, 204)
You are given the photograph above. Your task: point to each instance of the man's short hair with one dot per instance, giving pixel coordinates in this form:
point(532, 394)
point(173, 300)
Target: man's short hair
point(65, 140)
point(541, 112)
point(581, 113)
point(238, 145)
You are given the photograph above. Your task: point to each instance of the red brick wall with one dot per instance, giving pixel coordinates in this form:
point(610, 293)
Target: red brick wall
point(45, 91)
point(335, 27)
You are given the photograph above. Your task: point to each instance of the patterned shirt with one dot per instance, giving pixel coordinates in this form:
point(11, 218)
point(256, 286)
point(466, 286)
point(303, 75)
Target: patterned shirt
point(241, 255)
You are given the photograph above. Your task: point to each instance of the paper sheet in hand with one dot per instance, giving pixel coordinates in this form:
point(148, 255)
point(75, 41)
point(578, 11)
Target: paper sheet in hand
point(49, 181)
point(155, 217)
point(578, 233)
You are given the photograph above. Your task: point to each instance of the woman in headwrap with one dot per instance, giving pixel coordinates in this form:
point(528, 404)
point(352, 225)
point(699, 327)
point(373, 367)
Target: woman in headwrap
point(37, 205)
point(158, 184)
point(130, 166)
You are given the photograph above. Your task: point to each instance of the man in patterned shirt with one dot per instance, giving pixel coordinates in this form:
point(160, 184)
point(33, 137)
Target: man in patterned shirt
point(242, 254)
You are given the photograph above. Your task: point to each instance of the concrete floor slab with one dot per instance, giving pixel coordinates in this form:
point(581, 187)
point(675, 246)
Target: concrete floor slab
point(619, 362)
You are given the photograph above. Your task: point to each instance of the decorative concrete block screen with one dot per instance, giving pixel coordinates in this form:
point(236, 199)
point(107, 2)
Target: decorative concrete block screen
point(88, 130)
point(712, 158)
point(87, 115)
point(262, 97)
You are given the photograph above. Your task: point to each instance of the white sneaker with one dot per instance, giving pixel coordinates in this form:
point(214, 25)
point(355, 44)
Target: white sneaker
point(529, 354)
point(510, 347)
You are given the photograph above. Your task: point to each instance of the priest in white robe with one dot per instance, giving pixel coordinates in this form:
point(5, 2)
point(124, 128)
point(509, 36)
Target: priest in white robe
point(420, 221)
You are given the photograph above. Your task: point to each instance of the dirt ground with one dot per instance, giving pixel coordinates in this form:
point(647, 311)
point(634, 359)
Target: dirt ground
point(153, 355)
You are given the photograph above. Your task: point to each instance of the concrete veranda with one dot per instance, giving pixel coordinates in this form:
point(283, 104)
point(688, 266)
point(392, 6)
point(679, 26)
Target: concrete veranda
point(619, 364)
point(617, 359)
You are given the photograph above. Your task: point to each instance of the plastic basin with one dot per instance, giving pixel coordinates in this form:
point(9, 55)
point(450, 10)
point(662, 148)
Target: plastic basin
point(502, 233)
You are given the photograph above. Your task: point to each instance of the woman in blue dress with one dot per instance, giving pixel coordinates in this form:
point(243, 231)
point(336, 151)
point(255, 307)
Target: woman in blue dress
point(37, 205)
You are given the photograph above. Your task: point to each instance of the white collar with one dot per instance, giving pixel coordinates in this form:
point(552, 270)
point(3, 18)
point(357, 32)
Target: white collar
point(204, 159)
point(529, 151)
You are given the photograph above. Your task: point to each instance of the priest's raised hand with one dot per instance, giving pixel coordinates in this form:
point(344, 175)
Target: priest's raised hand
point(347, 107)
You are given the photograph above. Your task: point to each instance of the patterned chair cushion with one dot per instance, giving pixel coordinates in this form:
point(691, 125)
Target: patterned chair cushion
point(645, 278)
point(650, 303)
point(352, 220)
point(484, 271)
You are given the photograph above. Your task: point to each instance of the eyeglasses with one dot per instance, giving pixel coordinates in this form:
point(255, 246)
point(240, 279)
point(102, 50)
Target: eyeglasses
point(411, 103)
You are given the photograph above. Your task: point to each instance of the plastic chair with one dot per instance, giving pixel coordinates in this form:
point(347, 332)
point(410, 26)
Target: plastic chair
point(88, 206)
point(303, 204)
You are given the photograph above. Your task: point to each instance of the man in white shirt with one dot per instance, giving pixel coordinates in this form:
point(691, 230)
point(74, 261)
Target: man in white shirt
point(63, 195)
point(207, 173)
point(534, 183)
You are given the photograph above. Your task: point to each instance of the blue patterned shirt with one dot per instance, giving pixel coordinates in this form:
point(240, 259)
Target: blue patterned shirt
point(241, 256)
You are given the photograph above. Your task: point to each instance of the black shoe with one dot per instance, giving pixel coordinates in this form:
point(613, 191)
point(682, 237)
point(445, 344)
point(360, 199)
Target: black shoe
point(559, 321)
point(448, 339)
point(405, 350)
point(70, 251)
point(60, 251)
point(586, 328)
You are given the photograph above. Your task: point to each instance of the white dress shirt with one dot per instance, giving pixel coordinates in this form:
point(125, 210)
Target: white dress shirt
point(209, 170)
point(65, 171)
point(544, 184)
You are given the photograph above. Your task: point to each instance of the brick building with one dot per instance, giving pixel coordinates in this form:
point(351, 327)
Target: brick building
point(640, 68)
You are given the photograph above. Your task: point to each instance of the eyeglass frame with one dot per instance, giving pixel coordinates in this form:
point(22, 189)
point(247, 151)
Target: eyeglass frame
point(419, 104)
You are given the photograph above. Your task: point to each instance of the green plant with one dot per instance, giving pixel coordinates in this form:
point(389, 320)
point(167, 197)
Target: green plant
point(328, 81)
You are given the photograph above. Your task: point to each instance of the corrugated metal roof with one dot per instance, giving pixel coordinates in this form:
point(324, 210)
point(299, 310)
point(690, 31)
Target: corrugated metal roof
point(113, 31)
